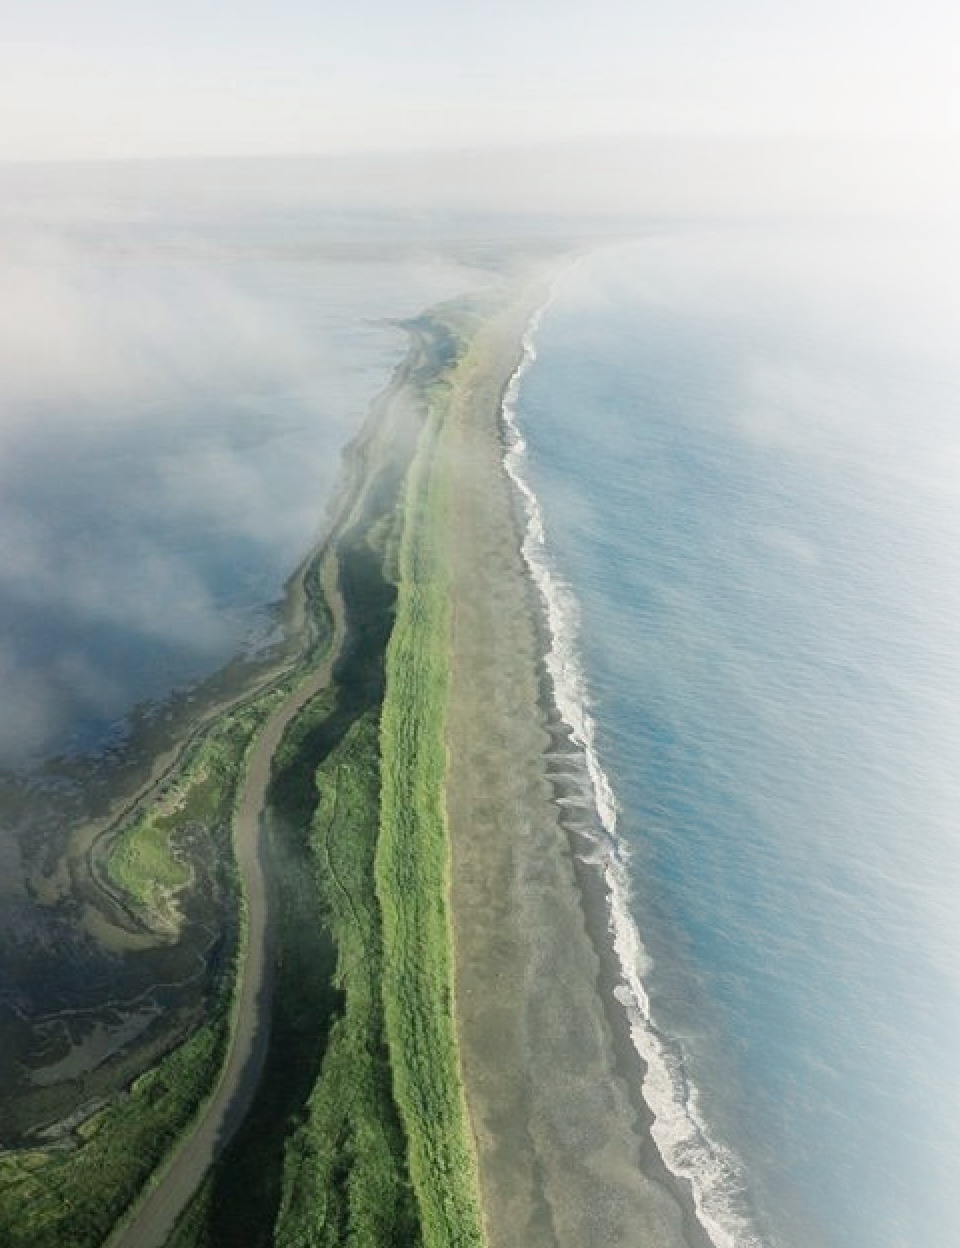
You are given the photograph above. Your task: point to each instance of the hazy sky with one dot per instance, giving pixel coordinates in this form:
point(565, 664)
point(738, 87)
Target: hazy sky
point(103, 78)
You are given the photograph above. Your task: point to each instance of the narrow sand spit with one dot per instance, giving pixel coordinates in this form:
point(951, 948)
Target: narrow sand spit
point(564, 1153)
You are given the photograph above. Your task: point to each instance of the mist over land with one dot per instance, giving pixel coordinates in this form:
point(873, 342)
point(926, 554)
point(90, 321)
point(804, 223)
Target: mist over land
point(187, 345)
point(161, 358)
point(168, 374)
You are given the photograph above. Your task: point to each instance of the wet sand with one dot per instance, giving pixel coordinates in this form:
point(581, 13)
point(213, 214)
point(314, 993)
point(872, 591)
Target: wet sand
point(551, 1078)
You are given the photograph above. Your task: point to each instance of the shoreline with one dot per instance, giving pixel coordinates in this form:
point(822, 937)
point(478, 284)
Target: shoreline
point(553, 1078)
point(704, 1175)
point(588, 812)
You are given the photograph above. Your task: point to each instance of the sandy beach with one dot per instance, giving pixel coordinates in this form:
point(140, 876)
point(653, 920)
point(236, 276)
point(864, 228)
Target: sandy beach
point(551, 1078)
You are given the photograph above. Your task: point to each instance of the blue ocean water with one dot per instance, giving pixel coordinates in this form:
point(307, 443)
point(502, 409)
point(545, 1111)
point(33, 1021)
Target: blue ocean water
point(746, 451)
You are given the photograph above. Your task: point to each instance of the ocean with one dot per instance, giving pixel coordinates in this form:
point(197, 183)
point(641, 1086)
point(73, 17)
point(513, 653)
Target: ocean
point(740, 452)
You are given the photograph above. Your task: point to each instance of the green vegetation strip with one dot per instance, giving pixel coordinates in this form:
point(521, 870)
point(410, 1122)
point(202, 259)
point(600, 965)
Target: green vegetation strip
point(71, 1195)
point(345, 1179)
point(412, 865)
point(70, 1198)
point(147, 861)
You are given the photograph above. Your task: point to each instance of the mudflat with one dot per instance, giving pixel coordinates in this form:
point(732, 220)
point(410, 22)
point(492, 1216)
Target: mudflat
point(564, 1154)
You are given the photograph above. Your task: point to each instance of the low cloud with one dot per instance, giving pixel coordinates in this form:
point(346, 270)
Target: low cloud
point(173, 404)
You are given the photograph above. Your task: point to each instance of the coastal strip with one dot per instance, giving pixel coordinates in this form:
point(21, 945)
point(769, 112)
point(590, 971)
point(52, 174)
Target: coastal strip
point(412, 862)
point(553, 1083)
point(474, 1030)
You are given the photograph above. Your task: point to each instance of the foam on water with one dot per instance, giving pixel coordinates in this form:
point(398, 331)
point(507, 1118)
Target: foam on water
point(714, 1174)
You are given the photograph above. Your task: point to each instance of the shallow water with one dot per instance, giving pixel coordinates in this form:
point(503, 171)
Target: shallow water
point(745, 446)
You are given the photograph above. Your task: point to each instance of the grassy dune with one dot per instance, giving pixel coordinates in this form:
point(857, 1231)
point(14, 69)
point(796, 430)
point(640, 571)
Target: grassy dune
point(412, 865)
